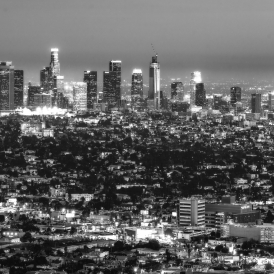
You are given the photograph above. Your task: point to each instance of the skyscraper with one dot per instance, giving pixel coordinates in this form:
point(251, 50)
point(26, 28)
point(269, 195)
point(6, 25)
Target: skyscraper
point(6, 86)
point(137, 89)
point(18, 88)
point(137, 83)
point(33, 90)
point(177, 91)
point(200, 95)
point(191, 211)
point(195, 79)
point(154, 82)
point(79, 96)
point(109, 87)
point(235, 95)
point(54, 62)
point(58, 89)
point(90, 77)
point(46, 79)
point(116, 68)
point(256, 103)
point(47, 74)
point(270, 101)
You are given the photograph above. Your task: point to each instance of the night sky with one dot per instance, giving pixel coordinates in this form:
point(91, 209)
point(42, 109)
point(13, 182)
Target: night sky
point(221, 38)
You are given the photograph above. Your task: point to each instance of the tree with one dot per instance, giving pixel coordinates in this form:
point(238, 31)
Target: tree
point(153, 244)
point(268, 266)
point(73, 230)
point(26, 237)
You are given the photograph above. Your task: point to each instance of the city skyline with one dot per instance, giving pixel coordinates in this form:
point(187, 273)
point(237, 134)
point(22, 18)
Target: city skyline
point(220, 38)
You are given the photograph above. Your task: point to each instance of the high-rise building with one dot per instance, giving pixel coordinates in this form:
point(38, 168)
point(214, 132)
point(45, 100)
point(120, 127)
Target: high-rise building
point(235, 95)
point(200, 95)
point(137, 89)
point(18, 88)
point(48, 74)
point(256, 103)
point(46, 79)
point(33, 90)
point(79, 96)
point(54, 62)
point(177, 91)
point(137, 83)
point(115, 66)
point(42, 100)
point(154, 82)
point(90, 77)
point(109, 91)
point(191, 211)
point(6, 86)
point(270, 101)
point(58, 89)
point(195, 79)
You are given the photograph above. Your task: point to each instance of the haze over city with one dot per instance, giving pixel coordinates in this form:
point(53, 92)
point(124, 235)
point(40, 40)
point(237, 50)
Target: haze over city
point(223, 39)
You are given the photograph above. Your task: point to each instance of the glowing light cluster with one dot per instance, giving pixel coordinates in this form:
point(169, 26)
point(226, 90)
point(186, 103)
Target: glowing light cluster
point(196, 77)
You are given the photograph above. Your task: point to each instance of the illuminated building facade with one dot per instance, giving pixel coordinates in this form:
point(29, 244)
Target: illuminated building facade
point(116, 68)
point(58, 89)
point(200, 95)
point(154, 82)
point(235, 95)
point(256, 103)
point(18, 88)
point(90, 77)
point(6, 86)
point(79, 96)
point(177, 91)
point(270, 101)
point(54, 62)
point(191, 211)
point(46, 79)
point(33, 90)
point(42, 100)
point(137, 88)
point(196, 78)
point(109, 91)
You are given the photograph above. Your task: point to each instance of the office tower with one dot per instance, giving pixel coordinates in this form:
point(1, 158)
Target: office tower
point(195, 79)
point(200, 95)
point(235, 95)
point(109, 90)
point(270, 101)
point(46, 79)
point(54, 62)
point(58, 88)
point(177, 91)
point(191, 211)
point(18, 88)
point(137, 83)
point(6, 86)
point(90, 77)
point(256, 103)
point(41, 100)
point(79, 96)
point(116, 68)
point(154, 82)
point(33, 90)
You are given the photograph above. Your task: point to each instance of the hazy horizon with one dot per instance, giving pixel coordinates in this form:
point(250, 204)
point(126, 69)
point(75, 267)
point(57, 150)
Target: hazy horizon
point(223, 39)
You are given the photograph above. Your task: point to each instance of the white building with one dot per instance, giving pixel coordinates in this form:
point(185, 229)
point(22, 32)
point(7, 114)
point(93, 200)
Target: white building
point(191, 211)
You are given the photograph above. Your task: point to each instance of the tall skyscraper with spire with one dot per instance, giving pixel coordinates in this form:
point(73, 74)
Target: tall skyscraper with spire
point(154, 81)
point(195, 79)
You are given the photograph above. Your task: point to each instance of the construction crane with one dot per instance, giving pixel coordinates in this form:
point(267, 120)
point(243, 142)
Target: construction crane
point(154, 50)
